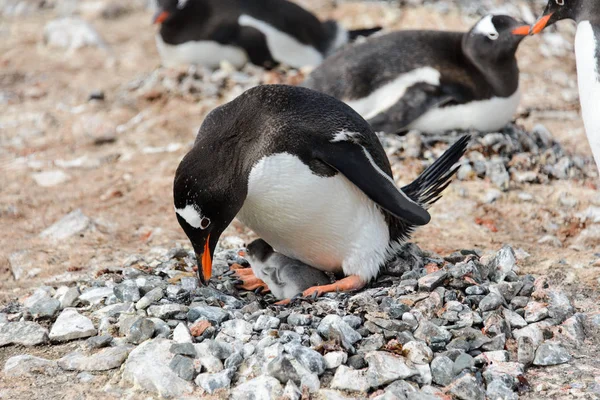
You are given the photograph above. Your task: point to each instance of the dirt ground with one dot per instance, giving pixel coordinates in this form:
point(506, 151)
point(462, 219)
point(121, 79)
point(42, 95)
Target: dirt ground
point(124, 182)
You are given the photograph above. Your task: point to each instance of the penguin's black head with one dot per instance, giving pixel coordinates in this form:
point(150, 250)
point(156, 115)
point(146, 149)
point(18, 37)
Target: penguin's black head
point(564, 9)
point(494, 38)
point(258, 250)
point(205, 204)
point(170, 10)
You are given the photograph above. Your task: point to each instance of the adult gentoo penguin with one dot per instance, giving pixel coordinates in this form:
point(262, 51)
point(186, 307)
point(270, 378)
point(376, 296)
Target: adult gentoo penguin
point(309, 176)
point(266, 32)
point(432, 81)
point(587, 52)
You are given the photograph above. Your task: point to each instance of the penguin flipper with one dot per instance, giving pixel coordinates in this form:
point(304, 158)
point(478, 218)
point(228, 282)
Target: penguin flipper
point(354, 161)
point(254, 43)
point(417, 100)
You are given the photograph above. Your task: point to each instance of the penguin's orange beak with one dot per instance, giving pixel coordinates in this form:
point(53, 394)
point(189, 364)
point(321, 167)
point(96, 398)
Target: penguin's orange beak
point(522, 30)
point(206, 261)
point(540, 24)
point(160, 16)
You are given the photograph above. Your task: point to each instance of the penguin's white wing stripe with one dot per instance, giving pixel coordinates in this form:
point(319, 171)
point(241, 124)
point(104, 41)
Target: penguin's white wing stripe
point(386, 176)
point(284, 47)
point(191, 214)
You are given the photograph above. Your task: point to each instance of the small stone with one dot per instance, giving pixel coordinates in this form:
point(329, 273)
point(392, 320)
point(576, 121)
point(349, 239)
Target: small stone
point(45, 308)
point(199, 327)
point(71, 33)
point(431, 281)
point(349, 379)
point(149, 298)
point(213, 382)
point(354, 321)
point(24, 365)
point(105, 359)
point(559, 307)
point(50, 178)
point(532, 331)
point(335, 358)
point(161, 328)
point(519, 301)
point(492, 357)
point(234, 361)
point(475, 290)
point(186, 349)
point(550, 240)
point(497, 390)
point(296, 319)
point(466, 387)
point(357, 361)
point(431, 333)
point(141, 330)
point(210, 363)
point(95, 295)
point(309, 358)
point(385, 368)
point(216, 348)
point(236, 329)
point(183, 367)
point(551, 353)
point(181, 334)
point(573, 329)
point(490, 302)
point(334, 327)
point(506, 372)
point(189, 284)
point(216, 315)
point(71, 325)
point(462, 362)
point(69, 298)
point(442, 370)
point(21, 262)
point(263, 387)
point(535, 311)
point(72, 224)
point(371, 343)
point(265, 322)
point(291, 391)
point(514, 320)
point(147, 367)
point(424, 374)
point(98, 342)
point(504, 262)
point(282, 369)
point(127, 292)
point(417, 352)
point(167, 311)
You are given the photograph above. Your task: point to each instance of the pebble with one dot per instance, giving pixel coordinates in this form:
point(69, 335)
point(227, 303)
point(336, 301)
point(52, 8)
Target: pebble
point(263, 387)
point(186, 349)
point(183, 367)
point(466, 387)
point(210, 363)
point(27, 365)
point(72, 224)
point(497, 390)
point(296, 319)
point(504, 262)
point(127, 292)
point(335, 358)
point(514, 320)
point(199, 327)
point(50, 178)
point(309, 358)
point(462, 362)
point(216, 315)
point(45, 308)
point(71, 325)
point(149, 298)
point(535, 311)
point(282, 369)
point(333, 326)
point(95, 295)
point(147, 367)
point(357, 361)
point(490, 302)
point(442, 370)
point(551, 353)
point(385, 368)
point(431, 333)
point(71, 33)
point(291, 391)
point(105, 359)
point(142, 329)
point(167, 311)
point(532, 331)
point(431, 281)
point(346, 378)
point(213, 382)
point(236, 329)
point(181, 334)
point(69, 298)
point(417, 352)
point(98, 342)
point(265, 322)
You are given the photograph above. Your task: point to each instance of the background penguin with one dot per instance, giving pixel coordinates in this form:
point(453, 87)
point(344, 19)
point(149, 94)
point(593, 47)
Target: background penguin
point(285, 276)
point(587, 51)
point(266, 32)
point(432, 81)
point(309, 176)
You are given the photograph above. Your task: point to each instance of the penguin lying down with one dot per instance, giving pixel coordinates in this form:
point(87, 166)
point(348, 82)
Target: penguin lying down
point(285, 276)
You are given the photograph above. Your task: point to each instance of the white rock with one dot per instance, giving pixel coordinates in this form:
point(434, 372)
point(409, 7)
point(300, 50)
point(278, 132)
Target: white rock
point(417, 352)
point(148, 368)
point(72, 224)
point(95, 295)
point(68, 298)
point(385, 368)
point(346, 378)
point(24, 333)
point(181, 334)
point(335, 358)
point(71, 325)
point(20, 263)
point(236, 329)
point(72, 34)
point(50, 178)
point(103, 360)
point(29, 365)
point(263, 388)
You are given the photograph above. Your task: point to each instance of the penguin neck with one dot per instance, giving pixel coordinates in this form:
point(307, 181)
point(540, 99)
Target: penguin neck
point(587, 51)
point(502, 74)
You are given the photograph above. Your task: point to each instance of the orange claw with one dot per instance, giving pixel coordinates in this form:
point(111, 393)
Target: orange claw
point(351, 282)
point(250, 281)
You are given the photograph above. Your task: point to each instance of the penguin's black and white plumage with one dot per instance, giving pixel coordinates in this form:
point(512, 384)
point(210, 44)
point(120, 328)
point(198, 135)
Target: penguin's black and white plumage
point(264, 32)
point(309, 176)
point(285, 276)
point(587, 52)
point(432, 81)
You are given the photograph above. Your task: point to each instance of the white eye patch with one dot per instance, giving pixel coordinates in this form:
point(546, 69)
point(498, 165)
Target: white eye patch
point(181, 3)
point(192, 215)
point(486, 27)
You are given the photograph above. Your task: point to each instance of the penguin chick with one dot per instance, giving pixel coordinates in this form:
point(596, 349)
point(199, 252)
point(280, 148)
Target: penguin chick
point(285, 276)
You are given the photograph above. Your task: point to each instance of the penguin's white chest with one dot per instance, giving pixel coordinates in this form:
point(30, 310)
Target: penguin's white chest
point(325, 222)
point(588, 74)
point(203, 52)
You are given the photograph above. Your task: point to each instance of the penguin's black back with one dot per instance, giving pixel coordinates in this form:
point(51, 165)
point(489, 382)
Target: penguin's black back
point(358, 70)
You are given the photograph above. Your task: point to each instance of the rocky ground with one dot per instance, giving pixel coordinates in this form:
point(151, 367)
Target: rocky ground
point(497, 297)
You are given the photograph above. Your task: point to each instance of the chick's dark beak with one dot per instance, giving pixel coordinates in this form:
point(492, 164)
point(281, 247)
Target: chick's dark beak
point(540, 24)
point(160, 16)
point(205, 262)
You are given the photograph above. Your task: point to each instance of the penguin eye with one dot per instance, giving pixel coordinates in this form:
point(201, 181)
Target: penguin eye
point(493, 35)
point(204, 223)
point(560, 2)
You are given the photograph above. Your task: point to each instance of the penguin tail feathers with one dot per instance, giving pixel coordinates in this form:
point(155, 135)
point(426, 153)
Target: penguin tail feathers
point(428, 187)
point(355, 34)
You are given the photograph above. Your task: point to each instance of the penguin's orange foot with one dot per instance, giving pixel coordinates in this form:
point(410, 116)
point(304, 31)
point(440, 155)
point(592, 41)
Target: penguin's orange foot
point(249, 280)
point(351, 282)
